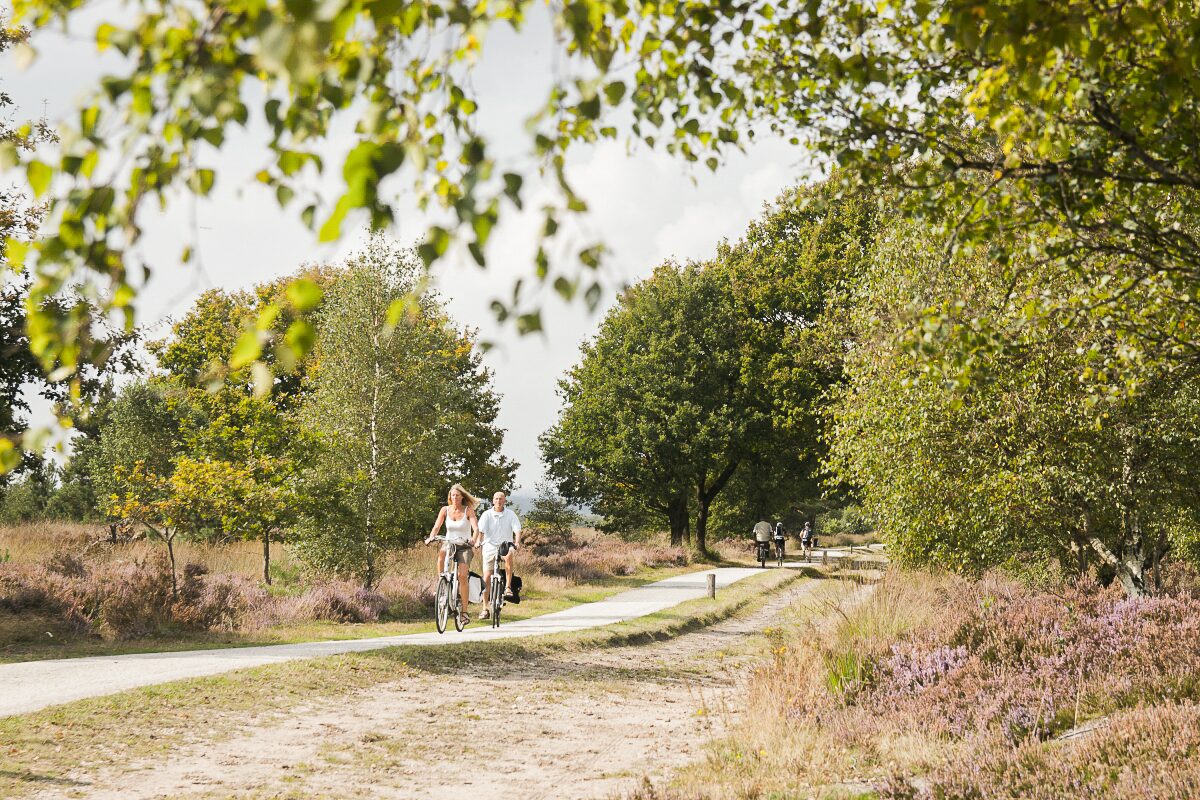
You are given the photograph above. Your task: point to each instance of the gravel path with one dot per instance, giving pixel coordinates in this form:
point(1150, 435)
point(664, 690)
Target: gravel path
point(32, 685)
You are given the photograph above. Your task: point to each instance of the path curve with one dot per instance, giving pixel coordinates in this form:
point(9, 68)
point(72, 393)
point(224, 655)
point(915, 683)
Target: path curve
point(33, 685)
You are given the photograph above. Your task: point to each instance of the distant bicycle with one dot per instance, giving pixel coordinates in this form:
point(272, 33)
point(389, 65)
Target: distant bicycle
point(448, 602)
point(779, 551)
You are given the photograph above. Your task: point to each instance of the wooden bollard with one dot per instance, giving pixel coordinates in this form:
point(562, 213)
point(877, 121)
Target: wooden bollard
point(712, 584)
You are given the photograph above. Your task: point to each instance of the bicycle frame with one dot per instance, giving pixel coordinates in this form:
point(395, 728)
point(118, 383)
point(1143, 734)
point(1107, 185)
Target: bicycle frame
point(448, 601)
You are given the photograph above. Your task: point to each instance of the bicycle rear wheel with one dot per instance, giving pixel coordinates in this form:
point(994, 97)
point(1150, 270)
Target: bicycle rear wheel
point(441, 606)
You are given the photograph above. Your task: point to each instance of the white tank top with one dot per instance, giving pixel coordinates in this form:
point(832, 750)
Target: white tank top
point(458, 532)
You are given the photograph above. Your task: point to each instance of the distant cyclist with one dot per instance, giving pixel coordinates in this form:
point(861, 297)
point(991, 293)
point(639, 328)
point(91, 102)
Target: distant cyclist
point(780, 539)
point(461, 531)
point(501, 534)
point(808, 539)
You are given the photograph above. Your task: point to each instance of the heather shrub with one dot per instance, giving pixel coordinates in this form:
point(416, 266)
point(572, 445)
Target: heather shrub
point(1151, 752)
point(340, 601)
point(408, 596)
point(970, 681)
point(66, 564)
point(137, 600)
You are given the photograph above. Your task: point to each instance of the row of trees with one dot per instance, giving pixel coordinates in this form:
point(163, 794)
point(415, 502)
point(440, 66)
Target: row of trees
point(697, 402)
point(344, 456)
point(839, 347)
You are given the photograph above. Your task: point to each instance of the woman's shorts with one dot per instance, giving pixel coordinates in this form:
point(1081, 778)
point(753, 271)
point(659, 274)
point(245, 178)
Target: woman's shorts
point(461, 553)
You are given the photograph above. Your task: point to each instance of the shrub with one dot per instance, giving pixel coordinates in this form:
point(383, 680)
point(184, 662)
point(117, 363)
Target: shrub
point(67, 564)
point(138, 600)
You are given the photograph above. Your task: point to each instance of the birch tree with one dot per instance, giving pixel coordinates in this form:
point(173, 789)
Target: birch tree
point(401, 406)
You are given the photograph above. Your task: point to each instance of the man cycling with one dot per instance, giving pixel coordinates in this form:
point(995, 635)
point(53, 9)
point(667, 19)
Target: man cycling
point(501, 533)
point(780, 538)
point(808, 540)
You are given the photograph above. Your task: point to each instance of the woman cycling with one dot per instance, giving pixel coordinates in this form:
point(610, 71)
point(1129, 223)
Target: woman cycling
point(462, 531)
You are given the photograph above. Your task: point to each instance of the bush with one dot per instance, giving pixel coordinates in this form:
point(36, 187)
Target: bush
point(137, 601)
point(848, 519)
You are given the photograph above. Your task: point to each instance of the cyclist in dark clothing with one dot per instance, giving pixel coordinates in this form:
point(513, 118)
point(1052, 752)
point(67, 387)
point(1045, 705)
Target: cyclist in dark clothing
point(780, 540)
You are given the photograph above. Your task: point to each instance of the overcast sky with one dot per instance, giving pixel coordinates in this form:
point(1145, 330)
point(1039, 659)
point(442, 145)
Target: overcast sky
point(645, 206)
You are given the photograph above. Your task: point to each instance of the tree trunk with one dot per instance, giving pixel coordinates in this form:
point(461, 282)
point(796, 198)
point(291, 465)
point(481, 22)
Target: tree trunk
point(1130, 567)
point(702, 525)
point(677, 517)
point(373, 471)
point(267, 557)
point(171, 555)
point(705, 494)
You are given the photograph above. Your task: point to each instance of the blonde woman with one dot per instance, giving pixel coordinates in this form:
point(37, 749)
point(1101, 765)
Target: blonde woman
point(462, 532)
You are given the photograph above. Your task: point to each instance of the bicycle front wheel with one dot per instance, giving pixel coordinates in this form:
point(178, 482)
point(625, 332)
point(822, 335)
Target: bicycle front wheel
point(497, 597)
point(441, 606)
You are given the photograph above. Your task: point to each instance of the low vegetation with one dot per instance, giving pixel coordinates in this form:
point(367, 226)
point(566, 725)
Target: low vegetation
point(64, 587)
point(946, 687)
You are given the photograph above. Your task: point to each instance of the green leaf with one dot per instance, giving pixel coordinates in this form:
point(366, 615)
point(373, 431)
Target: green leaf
point(529, 323)
point(247, 349)
point(304, 294)
point(614, 92)
point(39, 176)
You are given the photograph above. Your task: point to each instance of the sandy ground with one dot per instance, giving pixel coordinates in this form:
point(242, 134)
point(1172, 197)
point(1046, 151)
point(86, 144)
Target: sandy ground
point(572, 725)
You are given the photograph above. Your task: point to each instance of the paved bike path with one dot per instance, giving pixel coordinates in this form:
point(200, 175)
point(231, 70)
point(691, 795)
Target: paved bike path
point(31, 685)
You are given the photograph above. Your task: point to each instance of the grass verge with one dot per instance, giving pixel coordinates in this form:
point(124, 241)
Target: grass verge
point(52, 749)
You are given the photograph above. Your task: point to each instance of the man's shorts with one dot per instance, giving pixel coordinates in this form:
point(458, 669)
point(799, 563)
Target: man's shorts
point(489, 552)
point(461, 553)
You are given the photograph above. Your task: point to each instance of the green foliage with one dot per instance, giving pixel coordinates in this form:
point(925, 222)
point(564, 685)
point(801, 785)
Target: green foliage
point(657, 414)
point(26, 499)
point(401, 407)
point(1077, 119)
point(1022, 458)
point(703, 388)
point(848, 519)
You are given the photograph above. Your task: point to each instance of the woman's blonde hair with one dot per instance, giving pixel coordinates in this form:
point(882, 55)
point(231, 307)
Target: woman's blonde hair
point(469, 500)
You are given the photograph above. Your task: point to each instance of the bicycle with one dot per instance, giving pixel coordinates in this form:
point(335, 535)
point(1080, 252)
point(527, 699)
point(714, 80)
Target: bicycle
point(496, 586)
point(779, 551)
point(448, 600)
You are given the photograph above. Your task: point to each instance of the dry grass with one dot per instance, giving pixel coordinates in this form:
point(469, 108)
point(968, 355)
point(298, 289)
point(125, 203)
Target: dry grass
point(37, 542)
point(849, 540)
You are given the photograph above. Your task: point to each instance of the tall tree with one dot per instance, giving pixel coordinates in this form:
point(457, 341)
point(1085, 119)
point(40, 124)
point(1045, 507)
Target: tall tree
point(657, 414)
point(247, 439)
point(402, 407)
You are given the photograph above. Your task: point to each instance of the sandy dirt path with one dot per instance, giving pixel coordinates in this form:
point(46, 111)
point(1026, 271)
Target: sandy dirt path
point(583, 724)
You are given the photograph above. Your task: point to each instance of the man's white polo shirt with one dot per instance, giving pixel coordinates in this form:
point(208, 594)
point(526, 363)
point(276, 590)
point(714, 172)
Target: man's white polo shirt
point(499, 527)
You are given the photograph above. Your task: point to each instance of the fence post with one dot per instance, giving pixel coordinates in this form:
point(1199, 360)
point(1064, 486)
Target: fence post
point(824, 557)
point(712, 584)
